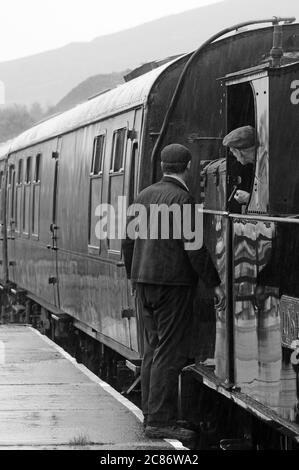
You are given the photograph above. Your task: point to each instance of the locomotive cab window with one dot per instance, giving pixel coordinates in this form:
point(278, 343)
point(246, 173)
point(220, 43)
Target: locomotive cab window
point(240, 162)
point(95, 195)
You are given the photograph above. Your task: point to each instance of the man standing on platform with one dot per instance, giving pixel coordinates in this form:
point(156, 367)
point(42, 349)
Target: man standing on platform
point(165, 271)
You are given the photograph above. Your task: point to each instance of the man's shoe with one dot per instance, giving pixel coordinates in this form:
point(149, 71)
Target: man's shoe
point(169, 432)
point(181, 423)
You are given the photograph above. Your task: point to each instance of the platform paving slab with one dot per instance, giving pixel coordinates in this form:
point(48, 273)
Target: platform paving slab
point(49, 401)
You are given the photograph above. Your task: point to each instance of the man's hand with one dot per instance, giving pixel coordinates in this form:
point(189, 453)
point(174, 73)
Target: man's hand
point(220, 296)
point(133, 288)
point(242, 197)
point(260, 296)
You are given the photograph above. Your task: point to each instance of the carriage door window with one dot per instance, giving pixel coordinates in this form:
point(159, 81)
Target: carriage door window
point(26, 201)
point(1, 194)
point(133, 173)
point(19, 188)
point(95, 185)
point(116, 186)
point(55, 190)
point(11, 196)
point(36, 196)
point(240, 112)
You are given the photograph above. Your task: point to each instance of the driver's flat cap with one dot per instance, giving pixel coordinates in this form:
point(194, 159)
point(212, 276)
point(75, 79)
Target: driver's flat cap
point(240, 138)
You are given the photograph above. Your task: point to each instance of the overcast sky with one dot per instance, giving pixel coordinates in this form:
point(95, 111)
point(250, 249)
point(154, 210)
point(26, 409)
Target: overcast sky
point(32, 26)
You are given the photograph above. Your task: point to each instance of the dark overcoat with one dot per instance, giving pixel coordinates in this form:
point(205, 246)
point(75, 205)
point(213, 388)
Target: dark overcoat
point(166, 261)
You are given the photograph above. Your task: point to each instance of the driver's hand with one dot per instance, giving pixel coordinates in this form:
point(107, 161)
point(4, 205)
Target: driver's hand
point(260, 296)
point(242, 197)
point(220, 298)
point(133, 288)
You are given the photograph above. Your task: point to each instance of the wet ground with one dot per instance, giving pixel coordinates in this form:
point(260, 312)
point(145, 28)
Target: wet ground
point(48, 400)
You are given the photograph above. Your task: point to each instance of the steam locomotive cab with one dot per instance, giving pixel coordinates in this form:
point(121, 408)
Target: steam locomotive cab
point(257, 244)
point(259, 240)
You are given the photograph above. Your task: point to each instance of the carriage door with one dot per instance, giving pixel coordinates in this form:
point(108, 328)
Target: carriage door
point(54, 229)
point(2, 212)
point(131, 301)
point(122, 180)
point(10, 211)
point(132, 171)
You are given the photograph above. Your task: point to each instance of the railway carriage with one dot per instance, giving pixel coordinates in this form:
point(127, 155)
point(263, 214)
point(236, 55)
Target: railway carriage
point(55, 176)
point(58, 173)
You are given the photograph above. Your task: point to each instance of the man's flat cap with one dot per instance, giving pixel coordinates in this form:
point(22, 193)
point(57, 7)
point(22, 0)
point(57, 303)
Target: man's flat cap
point(240, 138)
point(175, 153)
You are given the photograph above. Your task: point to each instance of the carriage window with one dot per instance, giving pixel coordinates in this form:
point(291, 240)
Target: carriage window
point(19, 196)
point(133, 173)
point(28, 170)
point(36, 196)
point(11, 194)
point(37, 168)
point(95, 190)
point(116, 188)
point(20, 172)
point(1, 208)
point(10, 173)
point(26, 197)
point(118, 147)
point(97, 163)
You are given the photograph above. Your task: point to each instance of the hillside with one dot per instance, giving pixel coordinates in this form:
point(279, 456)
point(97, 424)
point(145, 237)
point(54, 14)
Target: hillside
point(92, 86)
point(49, 76)
point(88, 88)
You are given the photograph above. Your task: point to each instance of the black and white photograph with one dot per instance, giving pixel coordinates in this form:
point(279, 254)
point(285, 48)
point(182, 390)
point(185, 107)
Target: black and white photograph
point(149, 229)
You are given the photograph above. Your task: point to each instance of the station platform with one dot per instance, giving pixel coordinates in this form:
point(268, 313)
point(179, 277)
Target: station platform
point(49, 401)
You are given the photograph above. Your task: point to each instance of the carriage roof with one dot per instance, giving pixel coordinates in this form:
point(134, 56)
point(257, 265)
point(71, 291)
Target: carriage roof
point(128, 95)
point(5, 148)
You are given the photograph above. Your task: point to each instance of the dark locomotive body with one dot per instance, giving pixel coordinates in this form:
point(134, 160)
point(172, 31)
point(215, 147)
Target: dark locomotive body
point(56, 174)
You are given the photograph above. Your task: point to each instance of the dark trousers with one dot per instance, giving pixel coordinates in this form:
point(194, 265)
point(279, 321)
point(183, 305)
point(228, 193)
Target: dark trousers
point(167, 313)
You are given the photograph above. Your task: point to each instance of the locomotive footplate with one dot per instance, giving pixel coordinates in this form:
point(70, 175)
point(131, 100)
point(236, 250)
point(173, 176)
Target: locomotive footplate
point(206, 377)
